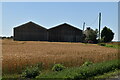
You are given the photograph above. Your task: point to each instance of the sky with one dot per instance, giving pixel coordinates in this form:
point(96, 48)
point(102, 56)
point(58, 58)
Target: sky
point(51, 14)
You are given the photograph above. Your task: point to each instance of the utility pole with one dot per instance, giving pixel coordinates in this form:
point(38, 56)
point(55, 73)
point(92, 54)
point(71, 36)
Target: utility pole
point(83, 36)
point(83, 26)
point(99, 25)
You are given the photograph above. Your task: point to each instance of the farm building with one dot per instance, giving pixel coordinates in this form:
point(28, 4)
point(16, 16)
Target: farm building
point(65, 33)
point(30, 32)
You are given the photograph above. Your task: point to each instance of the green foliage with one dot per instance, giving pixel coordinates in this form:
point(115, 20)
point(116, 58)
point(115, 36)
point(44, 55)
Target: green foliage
point(102, 44)
point(58, 67)
point(107, 35)
point(111, 74)
point(113, 46)
point(90, 34)
point(32, 71)
point(39, 65)
point(10, 76)
point(83, 72)
point(87, 63)
point(109, 45)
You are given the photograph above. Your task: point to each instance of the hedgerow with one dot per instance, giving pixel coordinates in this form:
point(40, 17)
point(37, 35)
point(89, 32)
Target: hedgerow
point(83, 72)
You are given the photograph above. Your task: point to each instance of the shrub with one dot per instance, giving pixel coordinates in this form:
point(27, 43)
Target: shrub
point(110, 46)
point(102, 44)
point(87, 63)
point(58, 67)
point(90, 35)
point(32, 71)
point(107, 35)
point(40, 66)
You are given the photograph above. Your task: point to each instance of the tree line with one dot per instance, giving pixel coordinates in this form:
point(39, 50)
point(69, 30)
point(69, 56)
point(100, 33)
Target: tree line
point(91, 36)
point(4, 37)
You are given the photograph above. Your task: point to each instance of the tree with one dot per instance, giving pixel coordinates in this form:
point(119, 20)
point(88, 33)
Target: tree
point(91, 35)
point(107, 35)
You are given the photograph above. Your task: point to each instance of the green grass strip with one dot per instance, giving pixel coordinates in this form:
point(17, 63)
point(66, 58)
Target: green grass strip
point(111, 74)
point(83, 72)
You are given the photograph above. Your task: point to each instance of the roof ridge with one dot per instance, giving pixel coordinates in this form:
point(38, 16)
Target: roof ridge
point(29, 23)
point(64, 24)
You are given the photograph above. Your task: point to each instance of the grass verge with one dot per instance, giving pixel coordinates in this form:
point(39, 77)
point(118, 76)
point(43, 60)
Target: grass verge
point(110, 45)
point(83, 72)
point(95, 71)
point(111, 74)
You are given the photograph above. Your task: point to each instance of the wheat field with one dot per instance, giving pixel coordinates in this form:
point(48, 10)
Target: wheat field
point(18, 54)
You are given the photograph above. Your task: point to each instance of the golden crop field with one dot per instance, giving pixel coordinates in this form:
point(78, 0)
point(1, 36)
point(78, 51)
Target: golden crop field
point(18, 54)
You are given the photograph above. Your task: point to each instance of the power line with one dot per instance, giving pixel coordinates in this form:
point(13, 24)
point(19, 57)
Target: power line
point(94, 21)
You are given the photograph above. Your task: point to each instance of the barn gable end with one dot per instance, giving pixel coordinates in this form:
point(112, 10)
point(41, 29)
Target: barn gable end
point(30, 32)
point(65, 33)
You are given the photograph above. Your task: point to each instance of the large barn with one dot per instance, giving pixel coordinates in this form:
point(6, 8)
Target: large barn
point(30, 32)
point(65, 33)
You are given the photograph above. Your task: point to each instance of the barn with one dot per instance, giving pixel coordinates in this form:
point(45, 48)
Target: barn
point(65, 33)
point(30, 32)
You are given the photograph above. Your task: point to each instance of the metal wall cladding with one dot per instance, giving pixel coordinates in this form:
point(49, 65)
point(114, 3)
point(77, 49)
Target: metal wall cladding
point(65, 33)
point(30, 32)
point(61, 33)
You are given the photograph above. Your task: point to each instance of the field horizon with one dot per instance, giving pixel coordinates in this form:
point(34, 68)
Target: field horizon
point(19, 54)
